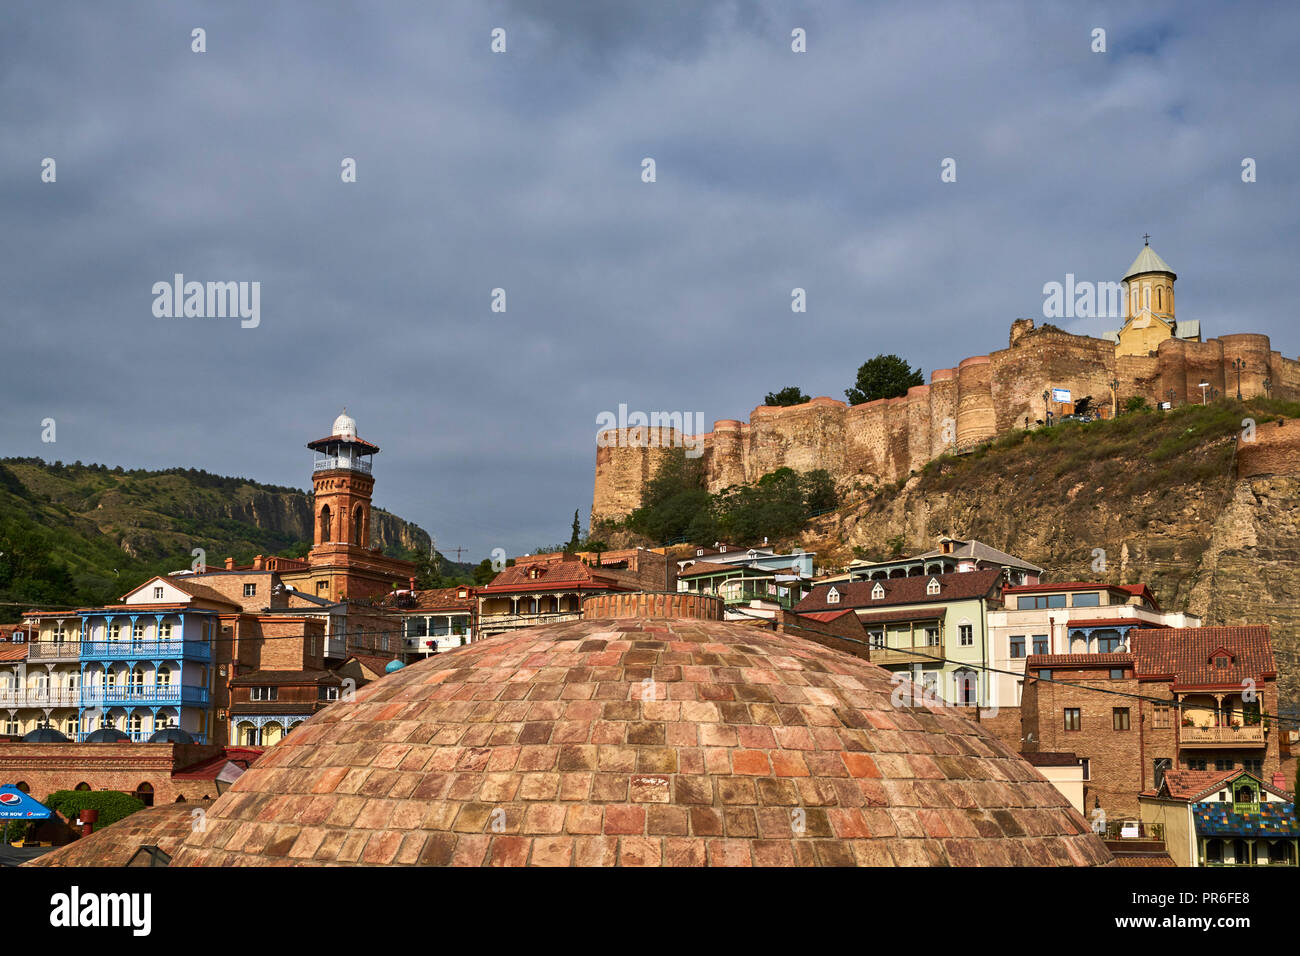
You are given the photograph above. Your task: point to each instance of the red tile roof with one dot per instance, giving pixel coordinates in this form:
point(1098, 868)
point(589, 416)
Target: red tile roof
point(1110, 659)
point(435, 599)
point(557, 574)
point(540, 747)
point(825, 617)
point(1185, 655)
point(910, 614)
point(13, 652)
point(957, 586)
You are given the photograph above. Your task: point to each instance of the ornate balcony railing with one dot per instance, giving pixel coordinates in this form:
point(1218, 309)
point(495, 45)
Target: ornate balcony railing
point(124, 695)
point(1247, 735)
point(36, 697)
point(508, 622)
point(145, 650)
point(53, 651)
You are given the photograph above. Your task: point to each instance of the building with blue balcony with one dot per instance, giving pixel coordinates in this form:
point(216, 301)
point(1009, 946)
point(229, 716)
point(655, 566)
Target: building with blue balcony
point(146, 665)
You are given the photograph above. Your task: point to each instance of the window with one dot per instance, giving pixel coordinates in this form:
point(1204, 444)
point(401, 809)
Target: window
point(877, 638)
point(1253, 765)
point(164, 676)
point(1045, 673)
point(877, 592)
point(1040, 601)
point(1222, 763)
point(931, 637)
point(1196, 763)
point(965, 635)
point(1120, 718)
point(250, 590)
point(115, 632)
point(932, 587)
point(1117, 673)
point(327, 693)
point(137, 631)
point(1040, 644)
point(832, 596)
point(1220, 662)
point(1161, 717)
point(157, 593)
point(1108, 641)
point(1018, 646)
point(1087, 600)
point(1073, 719)
point(60, 632)
point(263, 693)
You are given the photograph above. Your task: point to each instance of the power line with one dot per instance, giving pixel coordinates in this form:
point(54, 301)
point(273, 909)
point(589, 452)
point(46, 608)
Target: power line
point(1179, 705)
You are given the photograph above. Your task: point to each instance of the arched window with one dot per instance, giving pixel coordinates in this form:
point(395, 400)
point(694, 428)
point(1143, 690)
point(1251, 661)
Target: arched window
point(164, 675)
point(144, 793)
point(1160, 302)
point(82, 786)
point(22, 785)
point(358, 516)
point(325, 523)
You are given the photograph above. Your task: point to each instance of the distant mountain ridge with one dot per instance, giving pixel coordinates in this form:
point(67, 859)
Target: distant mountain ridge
point(110, 528)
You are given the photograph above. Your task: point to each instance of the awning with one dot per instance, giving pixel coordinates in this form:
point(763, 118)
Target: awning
point(16, 805)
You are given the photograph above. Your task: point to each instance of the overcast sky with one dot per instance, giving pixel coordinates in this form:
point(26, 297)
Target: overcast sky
point(522, 171)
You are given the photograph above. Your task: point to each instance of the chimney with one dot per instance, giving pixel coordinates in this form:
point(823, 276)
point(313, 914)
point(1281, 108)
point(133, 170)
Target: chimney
point(230, 564)
point(1279, 780)
point(259, 562)
point(412, 580)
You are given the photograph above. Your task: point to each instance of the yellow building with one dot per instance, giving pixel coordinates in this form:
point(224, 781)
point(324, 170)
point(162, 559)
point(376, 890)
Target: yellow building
point(1149, 307)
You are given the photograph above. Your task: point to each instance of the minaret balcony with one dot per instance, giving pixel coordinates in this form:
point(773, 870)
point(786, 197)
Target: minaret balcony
point(332, 462)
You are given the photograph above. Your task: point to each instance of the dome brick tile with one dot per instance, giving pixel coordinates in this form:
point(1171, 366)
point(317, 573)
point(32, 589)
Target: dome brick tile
point(641, 742)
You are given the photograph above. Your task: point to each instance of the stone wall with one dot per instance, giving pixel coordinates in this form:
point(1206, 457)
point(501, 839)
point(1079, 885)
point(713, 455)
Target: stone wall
point(984, 396)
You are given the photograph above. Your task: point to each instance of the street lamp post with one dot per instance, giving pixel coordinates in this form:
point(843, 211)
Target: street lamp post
point(1171, 393)
point(1268, 387)
point(1238, 364)
point(1114, 398)
point(1203, 386)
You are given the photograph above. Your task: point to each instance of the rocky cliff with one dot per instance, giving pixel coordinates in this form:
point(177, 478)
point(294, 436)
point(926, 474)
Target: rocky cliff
point(1184, 502)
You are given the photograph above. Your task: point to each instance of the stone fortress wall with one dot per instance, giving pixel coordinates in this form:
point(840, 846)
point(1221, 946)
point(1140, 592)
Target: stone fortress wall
point(983, 397)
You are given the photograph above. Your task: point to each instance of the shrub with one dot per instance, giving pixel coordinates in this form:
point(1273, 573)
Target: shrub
point(112, 805)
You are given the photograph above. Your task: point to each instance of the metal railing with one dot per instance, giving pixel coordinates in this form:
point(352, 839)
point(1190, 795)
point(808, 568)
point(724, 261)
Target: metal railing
point(330, 462)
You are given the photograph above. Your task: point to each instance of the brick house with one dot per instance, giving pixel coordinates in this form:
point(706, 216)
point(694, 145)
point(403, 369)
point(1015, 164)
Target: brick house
point(1177, 699)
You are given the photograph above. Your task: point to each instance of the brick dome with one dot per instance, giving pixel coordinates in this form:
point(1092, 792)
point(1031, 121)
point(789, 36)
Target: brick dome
point(640, 742)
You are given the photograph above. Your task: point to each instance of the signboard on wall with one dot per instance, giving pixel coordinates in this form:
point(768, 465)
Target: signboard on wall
point(1060, 395)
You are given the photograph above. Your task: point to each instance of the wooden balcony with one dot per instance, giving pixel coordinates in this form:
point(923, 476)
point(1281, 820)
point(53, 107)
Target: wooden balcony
point(1249, 735)
point(917, 653)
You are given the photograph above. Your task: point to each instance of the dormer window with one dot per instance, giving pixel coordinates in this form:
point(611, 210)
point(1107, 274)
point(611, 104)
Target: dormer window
point(832, 596)
point(157, 593)
point(932, 587)
point(699, 552)
point(1221, 662)
point(877, 592)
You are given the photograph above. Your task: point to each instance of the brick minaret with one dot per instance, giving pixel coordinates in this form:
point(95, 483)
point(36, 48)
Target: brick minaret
point(343, 484)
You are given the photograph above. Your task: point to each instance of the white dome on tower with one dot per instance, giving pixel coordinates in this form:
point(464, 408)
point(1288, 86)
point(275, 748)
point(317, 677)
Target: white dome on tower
point(345, 426)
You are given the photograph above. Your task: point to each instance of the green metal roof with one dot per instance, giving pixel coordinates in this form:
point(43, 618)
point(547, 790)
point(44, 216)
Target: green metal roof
point(1147, 261)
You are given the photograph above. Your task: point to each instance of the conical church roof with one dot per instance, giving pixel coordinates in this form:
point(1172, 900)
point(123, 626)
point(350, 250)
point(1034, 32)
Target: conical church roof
point(1147, 261)
point(641, 741)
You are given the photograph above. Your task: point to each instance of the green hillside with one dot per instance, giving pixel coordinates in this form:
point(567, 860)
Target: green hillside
point(72, 535)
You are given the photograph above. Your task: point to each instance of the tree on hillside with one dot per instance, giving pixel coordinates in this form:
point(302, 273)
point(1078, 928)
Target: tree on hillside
point(576, 536)
point(885, 376)
point(790, 395)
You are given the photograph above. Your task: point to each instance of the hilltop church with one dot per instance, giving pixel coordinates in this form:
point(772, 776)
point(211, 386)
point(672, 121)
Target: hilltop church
point(1149, 308)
